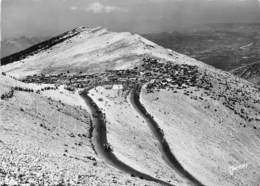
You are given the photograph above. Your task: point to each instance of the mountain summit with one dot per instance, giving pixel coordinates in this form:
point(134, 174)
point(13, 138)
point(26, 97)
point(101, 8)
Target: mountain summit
point(88, 50)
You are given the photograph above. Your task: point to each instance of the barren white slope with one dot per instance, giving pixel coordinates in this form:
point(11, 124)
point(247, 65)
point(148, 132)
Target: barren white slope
point(130, 137)
point(43, 141)
point(208, 139)
point(94, 50)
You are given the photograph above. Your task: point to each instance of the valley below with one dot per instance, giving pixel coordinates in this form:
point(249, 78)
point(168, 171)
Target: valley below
point(233, 47)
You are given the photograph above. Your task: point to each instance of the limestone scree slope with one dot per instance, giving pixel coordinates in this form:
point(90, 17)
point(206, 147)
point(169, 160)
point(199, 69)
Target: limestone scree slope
point(209, 118)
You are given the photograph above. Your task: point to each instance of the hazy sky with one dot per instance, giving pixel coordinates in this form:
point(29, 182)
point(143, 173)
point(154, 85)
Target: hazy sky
point(49, 17)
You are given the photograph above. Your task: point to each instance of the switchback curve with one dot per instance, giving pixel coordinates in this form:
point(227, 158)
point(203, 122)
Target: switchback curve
point(101, 143)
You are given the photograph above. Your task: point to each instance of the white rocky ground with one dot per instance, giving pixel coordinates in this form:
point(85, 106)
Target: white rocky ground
point(46, 137)
point(208, 139)
point(45, 141)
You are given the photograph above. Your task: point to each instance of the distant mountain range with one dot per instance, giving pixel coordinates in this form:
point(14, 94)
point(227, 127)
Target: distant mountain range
point(224, 46)
point(12, 45)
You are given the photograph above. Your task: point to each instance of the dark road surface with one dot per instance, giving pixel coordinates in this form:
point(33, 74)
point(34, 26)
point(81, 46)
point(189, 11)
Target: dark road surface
point(165, 149)
point(102, 148)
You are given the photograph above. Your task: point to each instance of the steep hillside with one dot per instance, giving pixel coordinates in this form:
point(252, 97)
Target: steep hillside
point(158, 117)
point(209, 133)
point(45, 138)
point(250, 72)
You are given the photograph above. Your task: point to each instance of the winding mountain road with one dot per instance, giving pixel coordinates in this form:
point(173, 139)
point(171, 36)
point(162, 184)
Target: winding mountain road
point(157, 131)
point(101, 143)
point(102, 148)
